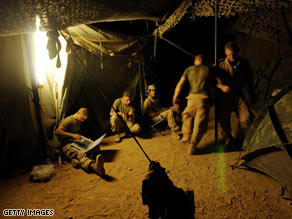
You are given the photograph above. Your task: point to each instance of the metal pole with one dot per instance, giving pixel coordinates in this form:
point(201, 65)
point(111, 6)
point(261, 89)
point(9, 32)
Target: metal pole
point(215, 64)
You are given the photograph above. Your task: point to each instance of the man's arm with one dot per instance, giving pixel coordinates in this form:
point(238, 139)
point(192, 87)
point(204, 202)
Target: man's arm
point(224, 88)
point(131, 115)
point(61, 131)
point(149, 109)
point(178, 89)
point(115, 106)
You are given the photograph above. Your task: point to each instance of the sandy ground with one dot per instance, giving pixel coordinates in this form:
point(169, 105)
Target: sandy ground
point(219, 191)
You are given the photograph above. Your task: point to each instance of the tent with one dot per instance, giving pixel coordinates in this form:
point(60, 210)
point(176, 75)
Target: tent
point(269, 141)
point(101, 63)
point(96, 56)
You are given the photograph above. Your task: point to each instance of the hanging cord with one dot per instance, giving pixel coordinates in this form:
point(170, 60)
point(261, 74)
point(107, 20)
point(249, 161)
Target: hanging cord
point(106, 100)
point(176, 46)
point(235, 165)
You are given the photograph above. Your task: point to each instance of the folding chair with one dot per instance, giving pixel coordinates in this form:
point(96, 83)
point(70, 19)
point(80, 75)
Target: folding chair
point(158, 123)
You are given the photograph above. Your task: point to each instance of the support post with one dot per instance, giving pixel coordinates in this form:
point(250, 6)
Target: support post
point(215, 64)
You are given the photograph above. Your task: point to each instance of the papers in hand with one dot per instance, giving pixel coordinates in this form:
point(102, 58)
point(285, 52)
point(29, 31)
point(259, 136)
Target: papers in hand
point(86, 144)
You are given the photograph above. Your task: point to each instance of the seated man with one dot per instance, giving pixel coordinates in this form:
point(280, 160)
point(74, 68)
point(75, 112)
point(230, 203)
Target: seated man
point(68, 130)
point(155, 111)
point(127, 113)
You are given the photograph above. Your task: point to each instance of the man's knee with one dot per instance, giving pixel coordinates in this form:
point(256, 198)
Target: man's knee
point(114, 119)
point(80, 155)
point(136, 128)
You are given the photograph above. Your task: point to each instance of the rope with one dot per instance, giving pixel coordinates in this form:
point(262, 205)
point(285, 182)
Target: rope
point(176, 46)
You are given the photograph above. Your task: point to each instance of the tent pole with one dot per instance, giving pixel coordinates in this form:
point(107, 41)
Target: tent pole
point(36, 98)
point(154, 58)
point(140, 86)
point(215, 64)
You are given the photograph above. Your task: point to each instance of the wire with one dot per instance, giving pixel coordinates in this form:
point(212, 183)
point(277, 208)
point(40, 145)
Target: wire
point(176, 46)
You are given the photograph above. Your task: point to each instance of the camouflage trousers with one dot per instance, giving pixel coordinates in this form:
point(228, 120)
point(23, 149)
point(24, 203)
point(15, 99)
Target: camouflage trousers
point(169, 115)
point(74, 153)
point(118, 125)
point(195, 117)
point(237, 104)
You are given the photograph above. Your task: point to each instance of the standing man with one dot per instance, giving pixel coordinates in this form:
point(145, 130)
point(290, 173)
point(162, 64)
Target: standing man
point(127, 113)
point(195, 116)
point(233, 74)
point(155, 111)
point(68, 130)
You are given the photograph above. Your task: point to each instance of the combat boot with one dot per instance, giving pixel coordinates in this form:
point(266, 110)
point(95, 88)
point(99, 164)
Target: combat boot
point(176, 135)
point(75, 163)
point(192, 149)
point(97, 166)
point(185, 138)
point(117, 137)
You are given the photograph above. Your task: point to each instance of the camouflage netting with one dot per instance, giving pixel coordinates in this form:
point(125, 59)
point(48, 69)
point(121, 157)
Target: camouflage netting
point(19, 16)
point(174, 18)
point(270, 19)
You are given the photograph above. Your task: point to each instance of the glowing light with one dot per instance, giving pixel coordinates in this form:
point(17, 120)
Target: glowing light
point(44, 67)
point(40, 56)
point(38, 23)
point(222, 169)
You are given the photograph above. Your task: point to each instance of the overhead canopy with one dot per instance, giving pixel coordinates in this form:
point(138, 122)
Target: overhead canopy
point(265, 19)
point(19, 16)
point(99, 41)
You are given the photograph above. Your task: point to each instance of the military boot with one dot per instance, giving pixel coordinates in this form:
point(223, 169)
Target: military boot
point(97, 166)
point(75, 163)
point(117, 137)
point(192, 149)
point(185, 138)
point(175, 135)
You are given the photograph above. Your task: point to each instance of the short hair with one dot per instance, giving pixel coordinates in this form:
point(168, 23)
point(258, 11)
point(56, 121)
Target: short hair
point(83, 111)
point(231, 46)
point(127, 94)
point(199, 56)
